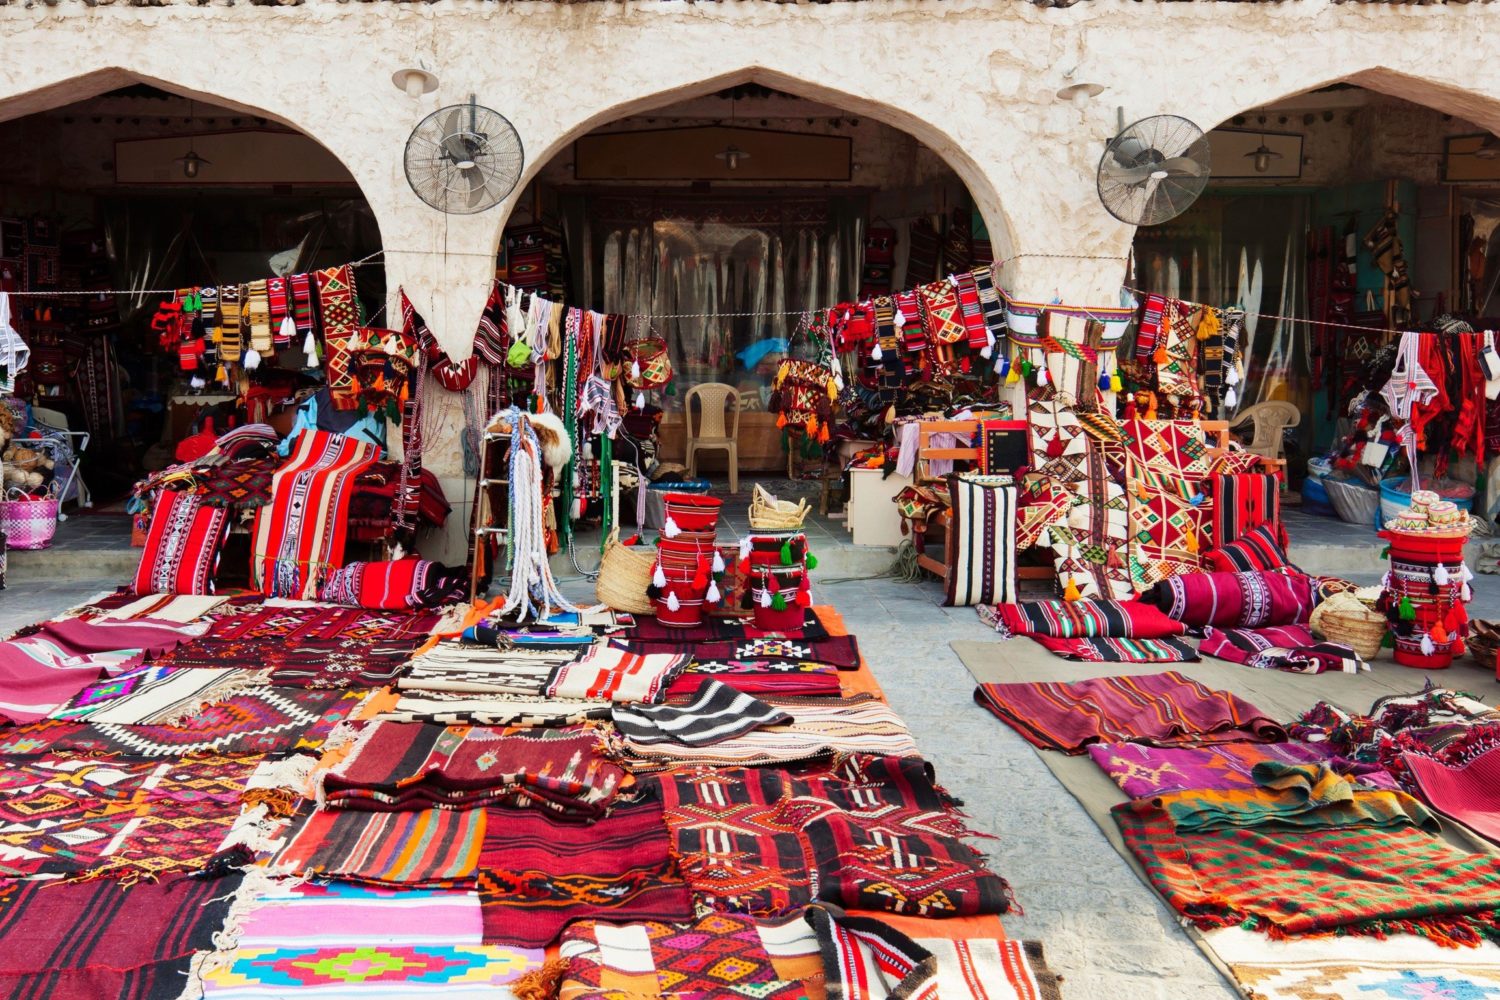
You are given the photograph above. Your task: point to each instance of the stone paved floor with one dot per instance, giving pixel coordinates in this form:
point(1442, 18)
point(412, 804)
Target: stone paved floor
point(1103, 930)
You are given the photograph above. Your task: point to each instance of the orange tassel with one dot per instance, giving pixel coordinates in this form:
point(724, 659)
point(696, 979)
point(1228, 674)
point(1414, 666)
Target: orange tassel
point(1070, 592)
point(1160, 357)
point(781, 420)
point(1190, 539)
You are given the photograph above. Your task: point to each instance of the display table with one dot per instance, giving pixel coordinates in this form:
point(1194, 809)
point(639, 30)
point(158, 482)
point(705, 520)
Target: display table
point(759, 441)
point(873, 518)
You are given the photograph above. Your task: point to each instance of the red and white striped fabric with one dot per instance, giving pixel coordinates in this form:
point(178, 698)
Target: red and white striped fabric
point(610, 673)
point(182, 546)
point(300, 535)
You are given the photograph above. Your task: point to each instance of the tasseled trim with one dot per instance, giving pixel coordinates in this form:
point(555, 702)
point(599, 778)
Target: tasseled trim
point(543, 983)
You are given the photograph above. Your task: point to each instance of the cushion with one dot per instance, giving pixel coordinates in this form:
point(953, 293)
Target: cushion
point(1245, 501)
point(1256, 551)
point(981, 541)
point(1075, 619)
point(182, 546)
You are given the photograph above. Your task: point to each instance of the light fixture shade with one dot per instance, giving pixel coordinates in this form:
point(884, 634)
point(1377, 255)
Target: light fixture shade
point(1261, 157)
point(1080, 94)
point(732, 156)
point(191, 162)
point(415, 81)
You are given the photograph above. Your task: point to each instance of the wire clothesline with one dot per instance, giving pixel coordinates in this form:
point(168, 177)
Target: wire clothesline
point(365, 261)
point(1308, 322)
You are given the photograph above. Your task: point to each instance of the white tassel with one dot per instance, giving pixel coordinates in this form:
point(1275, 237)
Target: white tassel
point(251, 360)
point(899, 318)
point(659, 579)
point(288, 331)
point(713, 595)
point(1440, 575)
point(718, 564)
point(670, 529)
point(640, 401)
point(1045, 538)
point(1467, 593)
point(1043, 376)
point(876, 354)
point(765, 597)
point(988, 351)
point(745, 547)
point(1230, 397)
point(1427, 646)
point(310, 345)
point(1233, 378)
point(673, 603)
point(578, 508)
point(399, 552)
point(196, 382)
point(635, 371)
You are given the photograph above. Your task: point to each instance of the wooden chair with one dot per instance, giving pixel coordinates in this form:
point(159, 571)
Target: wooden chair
point(715, 401)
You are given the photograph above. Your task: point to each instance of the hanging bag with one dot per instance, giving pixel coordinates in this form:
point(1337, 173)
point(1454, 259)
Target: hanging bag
point(14, 354)
point(647, 364)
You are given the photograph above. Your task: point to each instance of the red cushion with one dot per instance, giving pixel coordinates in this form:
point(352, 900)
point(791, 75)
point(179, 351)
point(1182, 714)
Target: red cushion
point(1074, 619)
point(1257, 551)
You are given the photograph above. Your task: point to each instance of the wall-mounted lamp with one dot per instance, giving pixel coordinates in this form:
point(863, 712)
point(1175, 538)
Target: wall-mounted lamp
point(1079, 94)
point(415, 81)
point(191, 161)
point(732, 156)
point(1261, 156)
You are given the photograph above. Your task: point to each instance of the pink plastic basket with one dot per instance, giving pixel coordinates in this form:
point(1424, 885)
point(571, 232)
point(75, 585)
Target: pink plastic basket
point(28, 524)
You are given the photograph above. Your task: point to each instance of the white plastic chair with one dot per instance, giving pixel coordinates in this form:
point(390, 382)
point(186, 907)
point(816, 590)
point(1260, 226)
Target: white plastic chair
point(715, 400)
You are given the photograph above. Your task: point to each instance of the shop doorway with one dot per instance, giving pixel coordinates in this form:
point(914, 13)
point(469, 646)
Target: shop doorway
point(105, 203)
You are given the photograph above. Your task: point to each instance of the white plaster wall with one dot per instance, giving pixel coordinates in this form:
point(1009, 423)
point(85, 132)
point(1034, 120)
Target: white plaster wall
point(972, 80)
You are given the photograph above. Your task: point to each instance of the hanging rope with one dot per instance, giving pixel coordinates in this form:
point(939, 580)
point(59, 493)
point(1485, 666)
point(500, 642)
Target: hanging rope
point(533, 591)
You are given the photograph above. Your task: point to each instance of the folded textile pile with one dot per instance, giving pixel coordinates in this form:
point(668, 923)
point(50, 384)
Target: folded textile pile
point(462, 682)
point(1165, 709)
point(1142, 771)
point(343, 939)
point(537, 873)
point(1281, 647)
point(786, 678)
point(841, 651)
point(820, 727)
point(396, 766)
point(609, 673)
point(874, 833)
point(716, 713)
point(1097, 631)
point(1311, 857)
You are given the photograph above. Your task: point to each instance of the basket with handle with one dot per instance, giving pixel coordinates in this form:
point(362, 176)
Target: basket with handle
point(769, 514)
point(624, 575)
point(650, 366)
point(1345, 619)
point(28, 523)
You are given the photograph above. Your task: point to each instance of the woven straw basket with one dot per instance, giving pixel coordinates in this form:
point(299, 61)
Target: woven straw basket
point(769, 514)
point(1346, 619)
point(624, 575)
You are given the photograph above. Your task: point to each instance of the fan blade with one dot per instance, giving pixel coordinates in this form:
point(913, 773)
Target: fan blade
point(478, 186)
point(1184, 166)
point(453, 139)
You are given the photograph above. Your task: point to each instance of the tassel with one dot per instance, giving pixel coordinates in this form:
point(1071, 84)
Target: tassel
point(635, 371)
point(833, 391)
point(1026, 367)
point(804, 598)
point(1160, 357)
point(673, 604)
point(1043, 375)
point(765, 598)
point(1115, 384)
point(1070, 592)
point(700, 576)
point(718, 563)
point(1440, 575)
point(1439, 634)
point(220, 375)
point(1465, 573)
point(1045, 538)
point(1011, 375)
point(780, 421)
point(659, 578)
point(1103, 381)
point(288, 331)
point(823, 434)
point(745, 547)
point(1231, 398)
point(1388, 641)
point(672, 387)
point(810, 563)
point(670, 529)
point(778, 603)
point(876, 353)
point(640, 401)
point(1002, 366)
point(197, 382)
point(653, 592)
point(713, 596)
point(309, 345)
point(786, 552)
point(1190, 539)
point(1405, 611)
point(251, 361)
point(988, 350)
point(1233, 378)
point(1427, 647)
point(773, 583)
point(542, 983)
point(578, 508)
